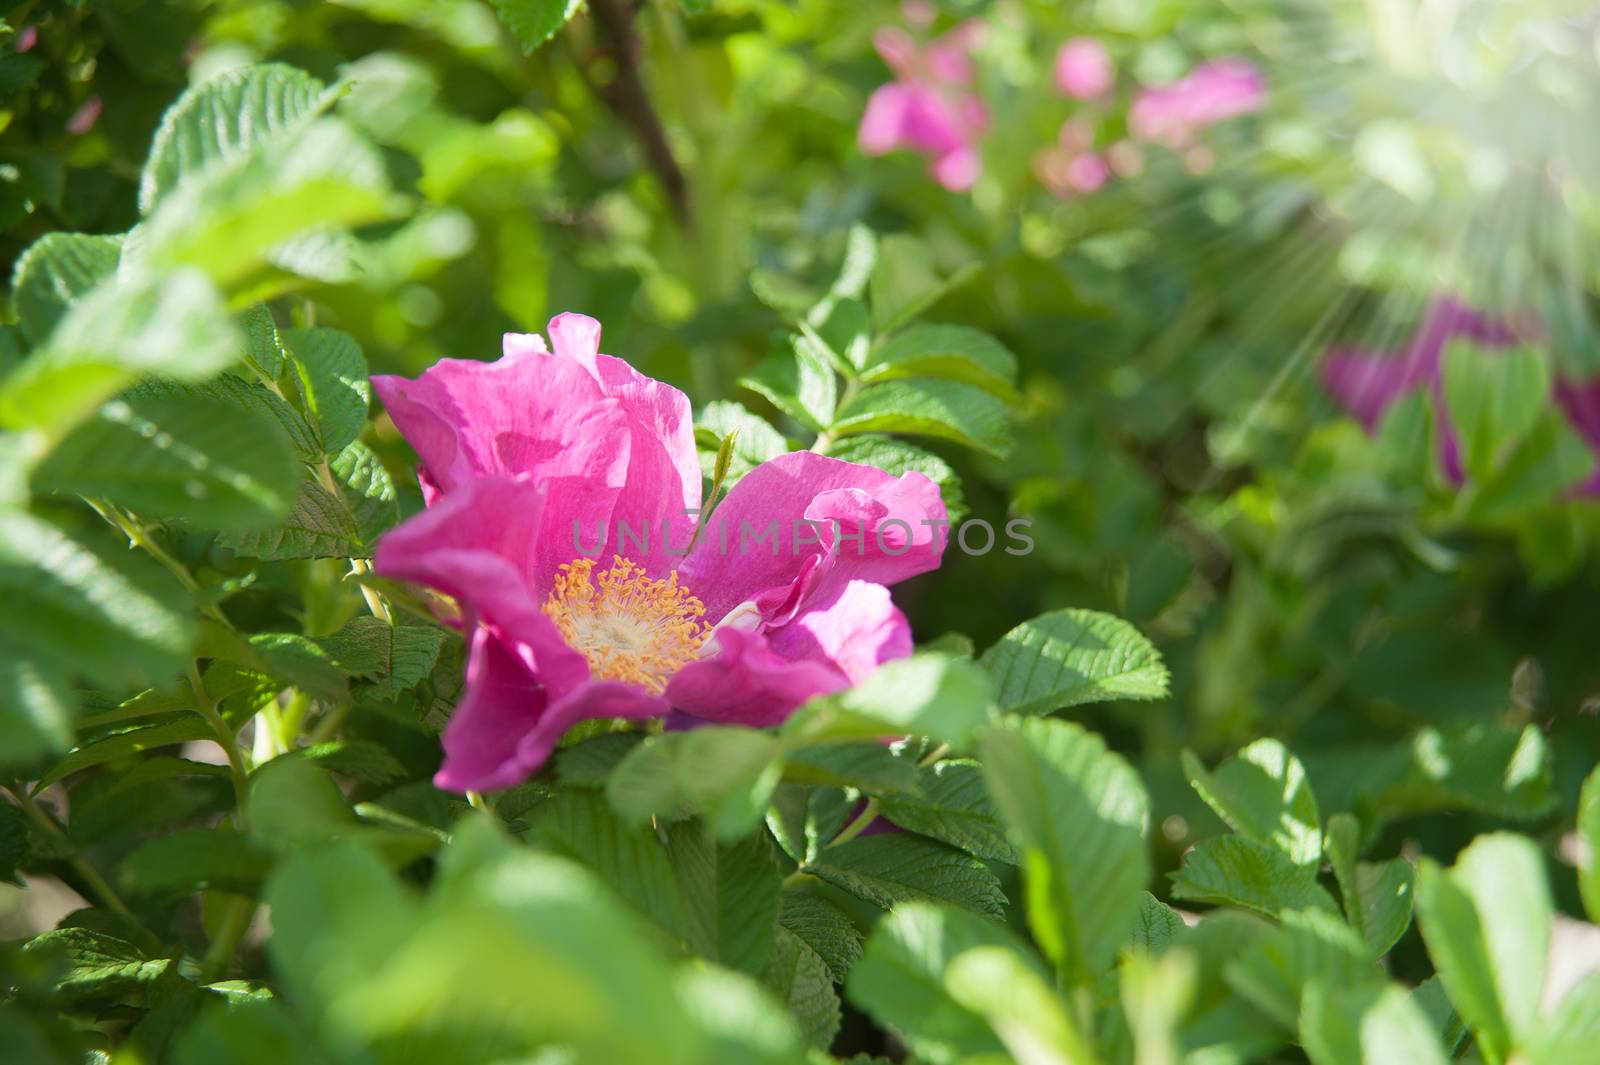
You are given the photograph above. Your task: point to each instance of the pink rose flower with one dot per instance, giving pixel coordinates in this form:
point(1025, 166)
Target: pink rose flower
point(1210, 93)
point(929, 108)
point(1083, 69)
point(1367, 383)
point(557, 486)
point(1088, 172)
point(1072, 167)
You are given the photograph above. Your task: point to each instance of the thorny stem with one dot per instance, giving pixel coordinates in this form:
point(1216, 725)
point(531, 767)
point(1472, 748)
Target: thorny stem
point(139, 536)
point(90, 875)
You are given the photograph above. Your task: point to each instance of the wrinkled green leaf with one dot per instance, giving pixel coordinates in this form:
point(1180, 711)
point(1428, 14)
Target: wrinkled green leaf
point(1076, 813)
point(898, 867)
point(1238, 871)
point(224, 119)
point(1069, 657)
point(922, 407)
point(1262, 792)
point(56, 270)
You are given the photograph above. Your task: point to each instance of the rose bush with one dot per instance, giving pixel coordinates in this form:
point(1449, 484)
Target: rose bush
point(1086, 557)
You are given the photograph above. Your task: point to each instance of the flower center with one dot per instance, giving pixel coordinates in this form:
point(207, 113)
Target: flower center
point(629, 626)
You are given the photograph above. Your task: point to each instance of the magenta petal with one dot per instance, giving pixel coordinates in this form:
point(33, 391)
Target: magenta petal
point(576, 337)
point(949, 58)
point(1365, 385)
point(1446, 319)
point(1083, 68)
point(1223, 89)
point(897, 49)
point(728, 568)
point(746, 682)
point(933, 123)
point(884, 119)
point(662, 478)
point(663, 486)
point(958, 171)
point(472, 544)
point(856, 630)
point(1088, 172)
point(506, 725)
point(886, 534)
point(525, 413)
point(503, 702)
point(477, 544)
point(1580, 401)
point(597, 698)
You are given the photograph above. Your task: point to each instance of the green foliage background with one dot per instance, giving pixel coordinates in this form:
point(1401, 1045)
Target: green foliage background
point(1261, 666)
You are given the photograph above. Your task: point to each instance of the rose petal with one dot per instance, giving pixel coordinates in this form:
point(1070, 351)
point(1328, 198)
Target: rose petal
point(525, 413)
point(855, 629)
point(746, 682)
point(507, 724)
point(478, 544)
point(729, 567)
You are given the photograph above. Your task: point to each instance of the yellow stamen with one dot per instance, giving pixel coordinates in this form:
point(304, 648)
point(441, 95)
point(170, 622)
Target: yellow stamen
point(629, 626)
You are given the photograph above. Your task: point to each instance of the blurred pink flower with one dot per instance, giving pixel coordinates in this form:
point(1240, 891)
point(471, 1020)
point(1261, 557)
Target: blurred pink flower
point(1083, 68)
point(1126, 159)
point(1066, 173)
point(543, 470)
point(1208, 94)
point(27, 37)
point(1077, 135)
point(1367, 383)
point(1088, 172)
point(83, 119)
point(928, 108)
point(919, 12)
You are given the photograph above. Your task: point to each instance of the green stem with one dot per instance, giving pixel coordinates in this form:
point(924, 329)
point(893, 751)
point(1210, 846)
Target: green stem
point(328, 725)
point(230, 743)
point(292, 717)
point(139, 536)
point(232, 926)
point(358, 566)
point(477, 801)
point(868, 814)
point(380, 610)
point(825, 439)
point(96, 883)
point(236, 918)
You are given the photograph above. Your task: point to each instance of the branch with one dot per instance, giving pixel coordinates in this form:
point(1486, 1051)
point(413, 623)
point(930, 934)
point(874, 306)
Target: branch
point(626, 96)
